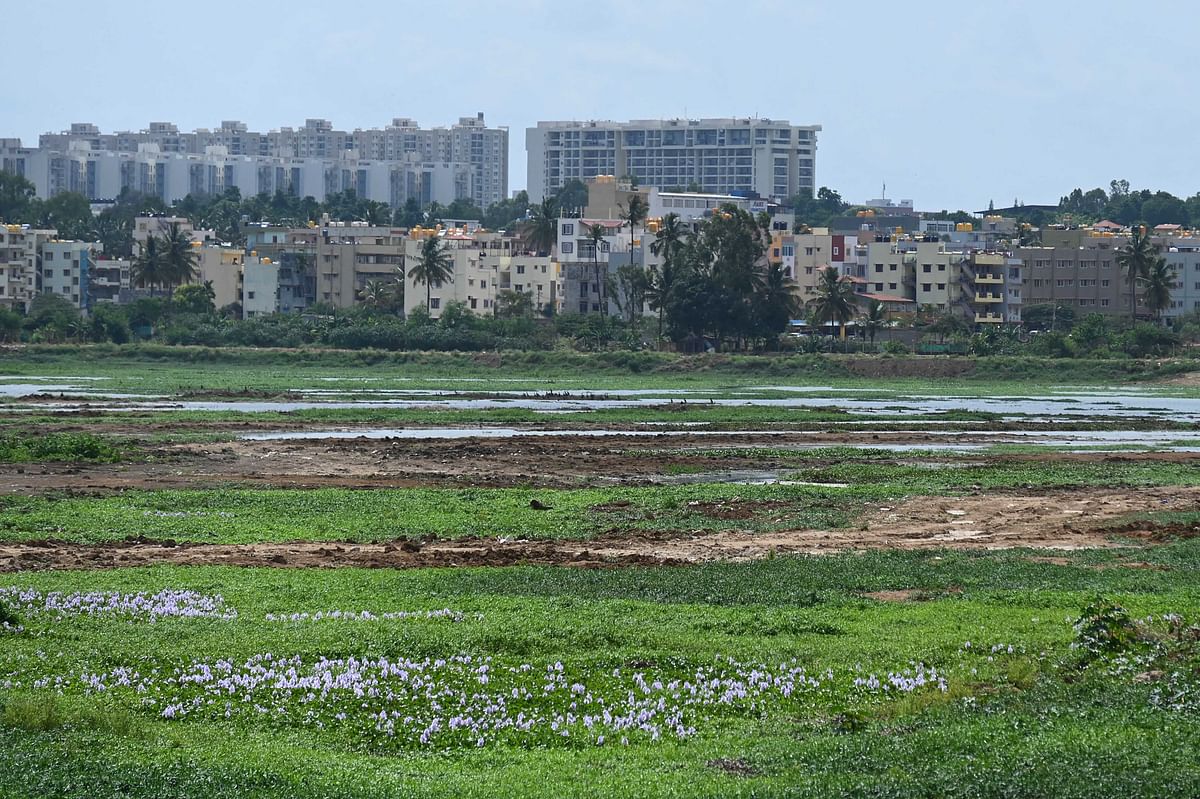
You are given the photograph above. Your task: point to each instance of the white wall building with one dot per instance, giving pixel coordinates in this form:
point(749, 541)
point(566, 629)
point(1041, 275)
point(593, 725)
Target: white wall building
point(771, 158)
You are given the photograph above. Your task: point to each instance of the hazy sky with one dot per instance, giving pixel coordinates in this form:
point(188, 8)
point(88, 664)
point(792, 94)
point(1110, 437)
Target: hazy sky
point(952, 103)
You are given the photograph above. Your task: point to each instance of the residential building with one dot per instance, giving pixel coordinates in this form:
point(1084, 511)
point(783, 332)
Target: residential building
point(762, 157)
point(20, 259)
point(468, 160)
point(65, 270)
point(586, 264)
point(485, 265)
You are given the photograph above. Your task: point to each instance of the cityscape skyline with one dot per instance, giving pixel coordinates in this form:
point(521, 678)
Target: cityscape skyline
point(951, 106)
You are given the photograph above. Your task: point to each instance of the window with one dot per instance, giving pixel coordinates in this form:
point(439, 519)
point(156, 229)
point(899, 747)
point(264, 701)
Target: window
point(604, 246)
point(1104, 284)
point(568, 229)
point(891, 267)
point(927, 268)
point(567, 247)
point(1064, 282)
point(472, 301)
point(941, 267)
point(892, 286)
point(482, 284)
point(435, 302)
point(66, 273)
point(1104, 303)
point(926, 287)
point(878, 267)
point(583, 289)
point(520, 269)
point(517, 286)
point(249, 294)
point(941, 286)
point(583, 306)
point(789, 250)
point(808, 270)
point(879, 287)
point(808, 250)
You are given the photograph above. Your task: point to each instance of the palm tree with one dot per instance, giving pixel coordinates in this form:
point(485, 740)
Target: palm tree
point(374, 294)
point(778, 302)
point(1135, 258)
point(1158, 282)
point(595, 234)
point(635, 213)
point(873, 319)
point(834, 301)
point(436, 265)
point(668, 243)
point(179, 259)
point(148, 267)
point(540, 231)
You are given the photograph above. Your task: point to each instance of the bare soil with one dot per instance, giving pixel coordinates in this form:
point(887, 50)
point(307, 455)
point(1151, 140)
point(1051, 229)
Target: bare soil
point(545, 462)
point(1063, 520)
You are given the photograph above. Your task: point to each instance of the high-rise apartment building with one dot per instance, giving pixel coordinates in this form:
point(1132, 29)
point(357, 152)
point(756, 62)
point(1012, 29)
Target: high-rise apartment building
point(770, 158)
point(467, 160)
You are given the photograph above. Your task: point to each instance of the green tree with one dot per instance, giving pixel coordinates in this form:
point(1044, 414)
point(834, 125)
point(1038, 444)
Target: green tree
point(197, 298)
point(1156, 286)
point(873, 319)
point(834, 301)
point(505, 215)
point(595, 234)
point(463, 208)
point(408, 216)
point(1135, 258)
point(148, 269)
point(635, 214)
point(375, 294)
point(668, 242)
point(513, 304)
point(572, 198)
point(629, 290)
point(179, 258)
point(16, 193)
point(540, 231)
point(435, 265)
point(69, 213)
point(778, 304)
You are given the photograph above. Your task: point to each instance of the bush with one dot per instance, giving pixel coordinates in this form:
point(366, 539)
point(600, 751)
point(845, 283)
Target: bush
point(57, 447)
point(7, 616)
point(40, 713)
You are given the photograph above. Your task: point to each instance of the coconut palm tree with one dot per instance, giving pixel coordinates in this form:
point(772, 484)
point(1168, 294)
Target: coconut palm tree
point(834, 301)
point(1156, 286)
point(595, 234)
point(435, 265)
point(1135, 258)
point(540, 231)
point(374, 294)
point(668, 243)
point(178, 256)
point(873, 319)
point(635, 214)
point(149, 267)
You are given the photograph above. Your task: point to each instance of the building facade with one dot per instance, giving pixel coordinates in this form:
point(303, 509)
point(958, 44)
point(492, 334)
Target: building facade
point(763, 157)
point(468, 160)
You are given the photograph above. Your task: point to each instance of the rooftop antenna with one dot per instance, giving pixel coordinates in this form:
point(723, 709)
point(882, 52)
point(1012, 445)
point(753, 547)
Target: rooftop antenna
point(884, 195)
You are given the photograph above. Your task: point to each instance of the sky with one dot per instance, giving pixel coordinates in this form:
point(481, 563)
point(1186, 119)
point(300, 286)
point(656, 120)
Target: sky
point(952, 104)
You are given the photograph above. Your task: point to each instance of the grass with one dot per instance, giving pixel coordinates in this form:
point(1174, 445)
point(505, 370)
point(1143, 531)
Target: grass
point(236, 515)
point(24, 448)
point(1029, 723)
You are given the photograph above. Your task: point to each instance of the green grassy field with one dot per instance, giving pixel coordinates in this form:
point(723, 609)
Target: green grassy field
point(237, 515)
point(1042, 719)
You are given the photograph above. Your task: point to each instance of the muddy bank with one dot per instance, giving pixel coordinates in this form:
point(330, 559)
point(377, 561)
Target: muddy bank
point(1055, 520)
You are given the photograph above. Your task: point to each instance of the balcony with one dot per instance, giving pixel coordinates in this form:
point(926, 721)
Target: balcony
point(995, 280)
point(988, 319)
point(989, 298)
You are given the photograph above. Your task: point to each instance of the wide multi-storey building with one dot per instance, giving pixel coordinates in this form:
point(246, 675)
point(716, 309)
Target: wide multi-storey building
point(468, 160)
point(764, 157)
point(484, 267)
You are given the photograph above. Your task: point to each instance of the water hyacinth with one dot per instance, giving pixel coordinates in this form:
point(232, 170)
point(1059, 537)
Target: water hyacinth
point(916, 678)
point(167, 603)
point(458, 701)
point(366, 615)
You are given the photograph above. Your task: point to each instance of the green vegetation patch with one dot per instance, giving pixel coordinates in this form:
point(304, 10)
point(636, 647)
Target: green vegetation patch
point(22, 448)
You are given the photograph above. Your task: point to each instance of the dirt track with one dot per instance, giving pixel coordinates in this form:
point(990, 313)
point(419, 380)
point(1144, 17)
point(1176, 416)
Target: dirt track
point(1058, 520)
